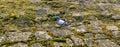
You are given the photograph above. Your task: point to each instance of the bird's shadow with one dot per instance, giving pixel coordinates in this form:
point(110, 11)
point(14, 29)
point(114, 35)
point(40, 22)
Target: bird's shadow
point(61, 27)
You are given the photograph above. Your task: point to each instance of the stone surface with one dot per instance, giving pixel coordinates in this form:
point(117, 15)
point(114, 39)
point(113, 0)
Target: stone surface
point(53, 12)
point(37, 45)
point(21, 13)
point(42, 35)
point(56, 44)
point(89, 35)
point(95, 26)
point(89, 42)
point(116, 34)
point(75, 14)
point(23, 22)
point(61, 32)
point(4, 46)
point(26, 29)
point(2, 37)
point(77, 41)
point(19, 45)
point(82, 29)
point(76, 3)
point(112, 28)
point(105, 13)
point(17, 36)
point(100, 36)
point(2, 16)
point(117, 17)
point(27, 22)
point(106, 43)
point(93, 18)
point(41, 11)
point(69, 42)
point(34, 0)
point(96, 23)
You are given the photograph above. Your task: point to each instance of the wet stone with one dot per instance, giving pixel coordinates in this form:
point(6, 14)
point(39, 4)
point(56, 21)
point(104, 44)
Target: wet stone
point(17, 36)
point(42, 35)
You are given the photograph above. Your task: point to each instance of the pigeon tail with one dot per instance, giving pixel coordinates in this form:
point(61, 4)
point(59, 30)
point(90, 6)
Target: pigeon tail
point(65, 24)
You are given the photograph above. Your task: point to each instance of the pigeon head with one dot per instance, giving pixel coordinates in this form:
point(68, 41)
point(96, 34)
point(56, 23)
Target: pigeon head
point(57, 18)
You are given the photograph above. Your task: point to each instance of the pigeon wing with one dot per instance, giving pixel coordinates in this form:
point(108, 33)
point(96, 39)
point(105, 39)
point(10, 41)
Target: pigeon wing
point(60, 22)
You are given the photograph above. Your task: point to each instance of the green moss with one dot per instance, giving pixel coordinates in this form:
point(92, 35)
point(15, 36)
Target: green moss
point(59, 39)
point(50, 33)
point(86, 21)
point(74, 31)
point(90, 12)
point(43, 42)
point(8, 42)
point(66, 45)
point(79, 18)
point(51, 43)
point(55, 4)
point(11, 10)
point(72, 7)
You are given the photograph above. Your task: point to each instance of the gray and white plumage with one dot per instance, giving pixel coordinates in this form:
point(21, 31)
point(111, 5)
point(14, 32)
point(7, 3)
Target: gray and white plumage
point(61, 22)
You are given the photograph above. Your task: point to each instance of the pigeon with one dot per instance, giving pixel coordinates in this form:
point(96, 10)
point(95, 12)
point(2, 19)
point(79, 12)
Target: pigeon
point(61, 22)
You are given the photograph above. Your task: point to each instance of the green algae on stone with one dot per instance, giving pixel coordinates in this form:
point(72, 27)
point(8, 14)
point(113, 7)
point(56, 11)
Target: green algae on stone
point(8, 42)
point(89, 12)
